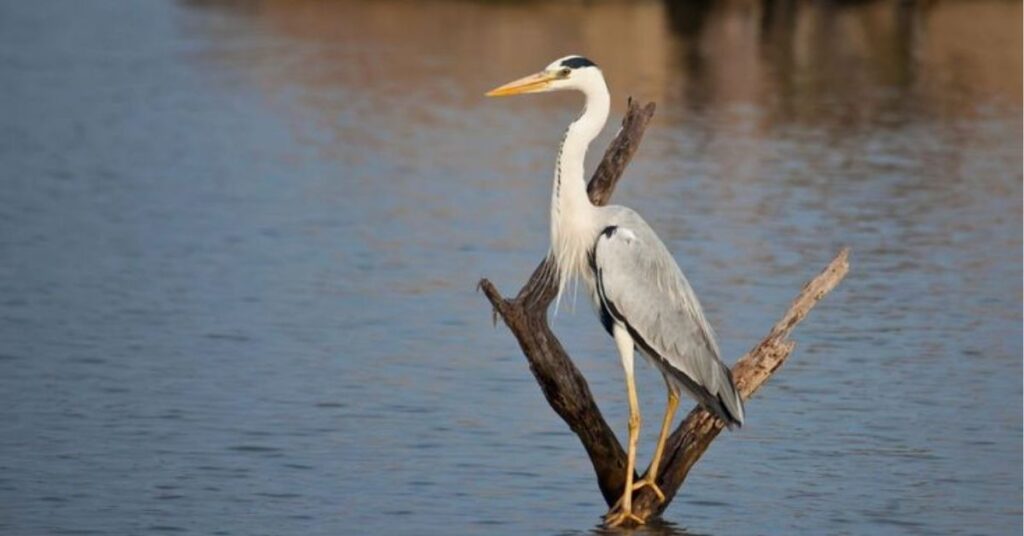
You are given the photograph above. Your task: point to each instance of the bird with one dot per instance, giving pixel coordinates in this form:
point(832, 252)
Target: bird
point(640, 294)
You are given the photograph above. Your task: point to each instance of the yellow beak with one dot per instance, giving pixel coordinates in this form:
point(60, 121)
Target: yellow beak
point(527, 84)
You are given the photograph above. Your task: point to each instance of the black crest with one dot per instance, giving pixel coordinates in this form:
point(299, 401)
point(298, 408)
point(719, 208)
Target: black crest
point(576, 62)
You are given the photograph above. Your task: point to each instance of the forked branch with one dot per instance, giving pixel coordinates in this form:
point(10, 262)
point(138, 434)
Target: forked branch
point(567, 391)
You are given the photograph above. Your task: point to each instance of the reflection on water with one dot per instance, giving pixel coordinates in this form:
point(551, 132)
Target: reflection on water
point(240, 242)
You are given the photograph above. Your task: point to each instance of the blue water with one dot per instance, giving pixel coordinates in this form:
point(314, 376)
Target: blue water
point(239, 245)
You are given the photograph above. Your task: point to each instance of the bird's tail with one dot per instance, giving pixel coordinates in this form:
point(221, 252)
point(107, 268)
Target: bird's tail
point(719, 396)
point(730, 404)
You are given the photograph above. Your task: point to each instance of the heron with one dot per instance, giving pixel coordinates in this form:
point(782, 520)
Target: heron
point(640, 294)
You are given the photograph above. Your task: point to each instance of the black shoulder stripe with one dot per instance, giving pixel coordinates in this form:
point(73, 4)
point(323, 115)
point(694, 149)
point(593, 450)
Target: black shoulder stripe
point(607, 232)
point(607, 320)
point(576, 62)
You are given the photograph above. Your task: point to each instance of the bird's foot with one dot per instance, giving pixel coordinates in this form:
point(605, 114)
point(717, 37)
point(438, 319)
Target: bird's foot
point(649, 482)
point(621, 518)
point(618, 515)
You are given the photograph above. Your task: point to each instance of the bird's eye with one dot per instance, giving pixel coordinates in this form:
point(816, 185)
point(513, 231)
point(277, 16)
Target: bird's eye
point(564, 73)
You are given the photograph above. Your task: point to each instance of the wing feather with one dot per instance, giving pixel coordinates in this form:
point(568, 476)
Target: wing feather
point(639, 284)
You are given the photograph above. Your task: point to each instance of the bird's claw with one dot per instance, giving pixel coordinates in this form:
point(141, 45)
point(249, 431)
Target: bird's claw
point(638, 486)
point(619, 518)
point(649, 482)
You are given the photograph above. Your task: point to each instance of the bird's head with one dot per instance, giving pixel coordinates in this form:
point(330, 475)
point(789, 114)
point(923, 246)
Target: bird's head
point(570, 72)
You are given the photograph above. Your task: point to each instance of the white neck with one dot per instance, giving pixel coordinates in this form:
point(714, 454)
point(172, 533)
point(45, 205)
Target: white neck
point(573, 218)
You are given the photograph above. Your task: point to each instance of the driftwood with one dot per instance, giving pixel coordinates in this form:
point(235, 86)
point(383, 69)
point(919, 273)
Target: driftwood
point(565, 388)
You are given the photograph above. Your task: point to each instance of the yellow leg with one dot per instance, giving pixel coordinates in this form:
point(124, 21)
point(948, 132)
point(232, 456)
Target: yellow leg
point(623, 511)
point(652, 473)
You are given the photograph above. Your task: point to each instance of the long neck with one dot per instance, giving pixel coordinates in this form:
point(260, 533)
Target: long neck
point(573, 216)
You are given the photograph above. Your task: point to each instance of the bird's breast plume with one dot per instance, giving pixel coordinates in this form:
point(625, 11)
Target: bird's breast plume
point(570, 242)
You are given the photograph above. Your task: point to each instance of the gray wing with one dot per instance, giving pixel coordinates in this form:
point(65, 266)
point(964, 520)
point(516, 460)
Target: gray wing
point(638, 284)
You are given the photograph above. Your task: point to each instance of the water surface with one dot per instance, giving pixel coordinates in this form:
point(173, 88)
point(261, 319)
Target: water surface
point(240, 243)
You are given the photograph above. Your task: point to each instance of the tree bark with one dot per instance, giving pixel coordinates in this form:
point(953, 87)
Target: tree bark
point(567, 391)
